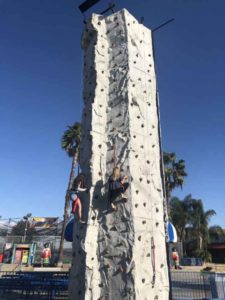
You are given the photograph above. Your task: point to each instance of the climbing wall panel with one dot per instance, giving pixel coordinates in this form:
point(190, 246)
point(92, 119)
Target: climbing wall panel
point(120, 254)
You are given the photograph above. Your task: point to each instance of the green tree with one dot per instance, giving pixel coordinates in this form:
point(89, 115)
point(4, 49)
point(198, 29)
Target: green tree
point(200, 221)
point(174, 174)
point(200, 229)
point(180, 216)
point(216, 234)
point(70, 143)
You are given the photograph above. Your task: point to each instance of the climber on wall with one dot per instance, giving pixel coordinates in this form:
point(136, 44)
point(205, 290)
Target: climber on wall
point(117, 187)
point(77, 187)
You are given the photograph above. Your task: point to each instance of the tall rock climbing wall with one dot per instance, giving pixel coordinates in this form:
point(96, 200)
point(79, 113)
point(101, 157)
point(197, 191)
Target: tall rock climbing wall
point(120, 254)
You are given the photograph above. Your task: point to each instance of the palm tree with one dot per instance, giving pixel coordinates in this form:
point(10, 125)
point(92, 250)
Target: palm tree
point(174, 173)
point(70, 143)
point(180, 216)
point(200, 231)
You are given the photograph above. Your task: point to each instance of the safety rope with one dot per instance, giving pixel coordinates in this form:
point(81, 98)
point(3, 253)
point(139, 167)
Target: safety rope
point(153, 261)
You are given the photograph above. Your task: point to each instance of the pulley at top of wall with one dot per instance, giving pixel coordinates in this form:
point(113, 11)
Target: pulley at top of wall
point(86, 5)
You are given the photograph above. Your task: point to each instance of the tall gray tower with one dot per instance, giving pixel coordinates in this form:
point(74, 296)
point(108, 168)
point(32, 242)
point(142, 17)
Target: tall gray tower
point(120, 254)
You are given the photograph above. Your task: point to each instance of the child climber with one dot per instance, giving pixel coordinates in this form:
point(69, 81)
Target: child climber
point(117, 187)
point(77, 187)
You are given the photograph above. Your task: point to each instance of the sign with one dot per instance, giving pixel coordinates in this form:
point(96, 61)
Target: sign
point(40, 222)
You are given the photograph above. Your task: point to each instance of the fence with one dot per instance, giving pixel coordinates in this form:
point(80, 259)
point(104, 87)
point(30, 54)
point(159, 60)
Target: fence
point(54, 285)
point(197, 285)
point(34, 285)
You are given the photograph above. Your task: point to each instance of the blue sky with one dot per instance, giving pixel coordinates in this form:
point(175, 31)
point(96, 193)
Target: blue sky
point(41, 93)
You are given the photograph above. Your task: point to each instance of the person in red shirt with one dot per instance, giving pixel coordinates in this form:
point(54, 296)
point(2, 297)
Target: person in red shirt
point(176, 259)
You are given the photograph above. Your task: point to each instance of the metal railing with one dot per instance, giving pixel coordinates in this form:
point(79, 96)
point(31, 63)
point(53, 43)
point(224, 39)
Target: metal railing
point(197, 285)
point(34, 285)
point(54, 285)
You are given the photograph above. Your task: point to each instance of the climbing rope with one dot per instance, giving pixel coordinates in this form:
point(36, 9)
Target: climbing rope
point(153, 261)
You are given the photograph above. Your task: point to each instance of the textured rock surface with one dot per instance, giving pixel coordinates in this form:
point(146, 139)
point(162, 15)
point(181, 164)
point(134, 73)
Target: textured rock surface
point(122, 254)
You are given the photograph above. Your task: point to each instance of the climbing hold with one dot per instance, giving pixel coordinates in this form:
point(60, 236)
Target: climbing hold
point(148, 255)
point(100, 146)
point(134, 136)
point(162, 265)
point(133, 85)
point(153, 146)
point(102, 90)
point(133, 22)
point(157, 210)
point(128, 24)
point(144, 204)
point(138, 117)
point(153, 126)
point(103, 72)
point(140, 179)
point(134, 62)
point(100, 105)
point(141, 41)
point(92, 258)
point(139, 79)
point(148, 181)
point(100, 284)
point(148, 162)
point(142, 125)
point(143, 222)
point(113, 228)
point(145, 92)
point(142, 147)
point(136, 156)
point(150, 65)
point(139, 238)
point(156, 224)
point(149, 80)
point(156, 298)
point(136, 205)
point(143, 280)
point(148, 71)
point(100, 173)
point(149, 55)
point(137, 191)
point(93, 218)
